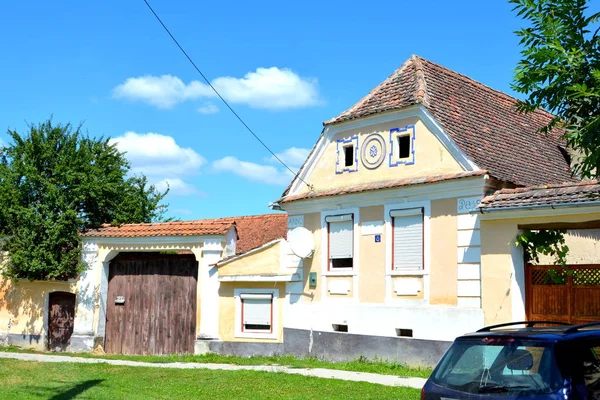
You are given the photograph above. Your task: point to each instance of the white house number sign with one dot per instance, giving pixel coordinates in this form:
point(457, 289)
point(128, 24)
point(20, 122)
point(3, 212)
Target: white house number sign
point(468, 204)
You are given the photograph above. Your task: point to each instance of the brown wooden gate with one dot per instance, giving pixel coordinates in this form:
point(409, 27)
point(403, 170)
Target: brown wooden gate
point(61, 315)
point(151, 304)
point(554, 293)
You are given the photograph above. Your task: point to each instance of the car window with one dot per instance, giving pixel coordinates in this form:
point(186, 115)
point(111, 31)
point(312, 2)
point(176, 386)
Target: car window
point(512, 366)
point(591, 370)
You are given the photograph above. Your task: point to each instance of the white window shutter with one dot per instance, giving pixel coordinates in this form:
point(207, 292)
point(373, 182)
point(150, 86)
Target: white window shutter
point(408, 239)
point(340, 239)
point(257, 310)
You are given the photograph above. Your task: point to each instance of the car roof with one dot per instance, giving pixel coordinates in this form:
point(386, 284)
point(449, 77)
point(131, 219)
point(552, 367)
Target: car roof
point(563, 332)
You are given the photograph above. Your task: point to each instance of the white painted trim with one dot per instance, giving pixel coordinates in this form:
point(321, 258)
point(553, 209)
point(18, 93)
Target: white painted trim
point(310, 163)
point(517, 283)
point(341, 272)
point(260, 278)
point(414, 111)
point(426, 206)
point(437, 129)
point(407, 273)
point(238, 315)
point(355, 251)
point(264, 246)
point(470, 186)
point(186, 241)
point(539, 212)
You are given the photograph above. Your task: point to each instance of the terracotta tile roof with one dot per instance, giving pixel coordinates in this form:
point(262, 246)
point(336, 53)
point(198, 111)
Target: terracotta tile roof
point(182, 228)
point(257, 230)
point(483, 122)
point(253, 231)
point(381, 185)
point(537, 196)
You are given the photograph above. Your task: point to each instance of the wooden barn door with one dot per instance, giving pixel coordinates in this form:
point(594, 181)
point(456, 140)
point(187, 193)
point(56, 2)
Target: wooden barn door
point(554, 294)
point(151, 306)
point(61, 313)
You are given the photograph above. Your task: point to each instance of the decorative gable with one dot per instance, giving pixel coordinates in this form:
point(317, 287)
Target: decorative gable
point(399, 148)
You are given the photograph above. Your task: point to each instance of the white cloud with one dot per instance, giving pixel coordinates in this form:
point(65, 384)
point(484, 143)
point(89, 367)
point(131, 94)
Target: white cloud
point(208, 109)
point(294, 157)
point(163, 91)
point(161, 159)
point(255, 172)
point(266, 88)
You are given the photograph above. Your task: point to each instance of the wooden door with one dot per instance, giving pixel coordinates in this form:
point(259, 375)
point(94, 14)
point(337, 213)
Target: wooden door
point(151, 306)
point(569, 295)
point(61, 315)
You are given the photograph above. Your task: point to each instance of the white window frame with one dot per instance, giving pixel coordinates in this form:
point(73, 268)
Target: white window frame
point(325, 270)
point(326, 262)
point(341, 144)
point(389, 262)
point(417, 211)
point(346, 218)
point(395, 133)
point(275, 327)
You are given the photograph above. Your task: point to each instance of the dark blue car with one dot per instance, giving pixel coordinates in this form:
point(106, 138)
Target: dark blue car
point(531, 362)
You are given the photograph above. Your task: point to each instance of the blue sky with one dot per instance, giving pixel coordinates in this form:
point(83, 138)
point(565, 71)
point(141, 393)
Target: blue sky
point(285, 67)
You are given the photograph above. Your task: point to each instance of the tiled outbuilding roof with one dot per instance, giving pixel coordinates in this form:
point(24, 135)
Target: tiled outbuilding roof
point(257, 230)
point(181, 228)
point(381, 185)
point(253, 231)
point(538, 196)
point(483, 122)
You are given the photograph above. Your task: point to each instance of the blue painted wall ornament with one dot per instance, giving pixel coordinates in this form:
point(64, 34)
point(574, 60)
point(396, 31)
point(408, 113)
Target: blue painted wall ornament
point(373, 151)
point(394, 160)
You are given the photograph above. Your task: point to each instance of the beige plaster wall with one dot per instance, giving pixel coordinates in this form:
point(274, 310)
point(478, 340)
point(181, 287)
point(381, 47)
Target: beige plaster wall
point(23, 306)
point(371, 267)
point(497, 240)
point(263, 261)
point(584, 247)
point(431, 157)
point(312, 222)
point(227, 314)
point(443, 261)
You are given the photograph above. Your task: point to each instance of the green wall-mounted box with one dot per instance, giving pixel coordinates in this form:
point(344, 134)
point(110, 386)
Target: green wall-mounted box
point(312, 279)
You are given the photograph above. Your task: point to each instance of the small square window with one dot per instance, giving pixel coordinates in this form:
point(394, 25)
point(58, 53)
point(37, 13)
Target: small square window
point(340, 328)
point(257, 313)
point(404, 332)
point(404, 146)
point(348, 156)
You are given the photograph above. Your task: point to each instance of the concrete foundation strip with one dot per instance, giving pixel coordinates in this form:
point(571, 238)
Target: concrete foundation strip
point(387, 380)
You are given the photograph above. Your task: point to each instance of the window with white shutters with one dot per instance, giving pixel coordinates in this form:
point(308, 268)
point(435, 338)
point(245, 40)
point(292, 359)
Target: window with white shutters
point(341, 238)
point(407, 239)
point(257, 310)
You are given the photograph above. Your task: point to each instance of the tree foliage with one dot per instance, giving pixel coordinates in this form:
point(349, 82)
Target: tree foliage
point(56, 182)
point(549, 242)
point(560, 72)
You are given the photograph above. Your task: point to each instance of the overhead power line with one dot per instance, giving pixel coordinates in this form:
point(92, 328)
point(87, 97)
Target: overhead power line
point(296, 174)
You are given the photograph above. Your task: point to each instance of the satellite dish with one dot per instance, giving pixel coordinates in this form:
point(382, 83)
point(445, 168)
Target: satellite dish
point(301, 242)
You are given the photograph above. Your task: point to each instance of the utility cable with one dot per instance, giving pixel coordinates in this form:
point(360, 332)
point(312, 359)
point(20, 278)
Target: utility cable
point(296, 174)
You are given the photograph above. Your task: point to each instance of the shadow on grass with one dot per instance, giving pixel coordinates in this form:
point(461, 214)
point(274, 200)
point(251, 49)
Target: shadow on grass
point(61, 393)
point(76, 390)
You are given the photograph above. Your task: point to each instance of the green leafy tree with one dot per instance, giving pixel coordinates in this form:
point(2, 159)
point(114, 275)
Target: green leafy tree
point(560, 72)
point(56, 182)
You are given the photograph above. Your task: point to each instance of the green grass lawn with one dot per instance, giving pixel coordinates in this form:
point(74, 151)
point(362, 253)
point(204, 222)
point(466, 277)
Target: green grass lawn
point(362, 365)
point(54, 381)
